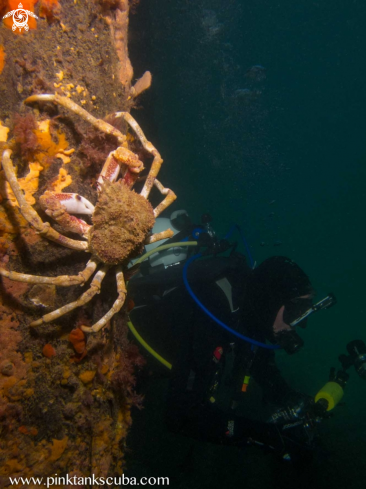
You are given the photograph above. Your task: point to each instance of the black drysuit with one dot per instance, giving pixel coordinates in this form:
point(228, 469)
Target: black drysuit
point(206, 399)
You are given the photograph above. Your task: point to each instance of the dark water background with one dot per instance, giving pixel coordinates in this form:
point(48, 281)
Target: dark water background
point(297, 139)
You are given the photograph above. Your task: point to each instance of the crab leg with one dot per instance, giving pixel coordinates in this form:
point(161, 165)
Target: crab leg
point(81, 301)
point(89, 269)
point(169, 199)
point(121, 289)
point(69, 104)
point(59, 206)
point(157, 162)
point(61, 280)
point(168, 233)
point(31, 215)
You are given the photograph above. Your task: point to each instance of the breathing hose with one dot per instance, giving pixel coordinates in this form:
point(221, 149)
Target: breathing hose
point(214, 318)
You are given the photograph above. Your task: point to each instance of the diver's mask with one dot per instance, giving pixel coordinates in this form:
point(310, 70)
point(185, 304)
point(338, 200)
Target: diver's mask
point(296, 313)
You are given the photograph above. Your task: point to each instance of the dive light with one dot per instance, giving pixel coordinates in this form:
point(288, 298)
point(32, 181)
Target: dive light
point(332, 392)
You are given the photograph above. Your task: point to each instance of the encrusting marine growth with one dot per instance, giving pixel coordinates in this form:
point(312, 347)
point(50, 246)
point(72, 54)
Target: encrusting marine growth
point(66, 395)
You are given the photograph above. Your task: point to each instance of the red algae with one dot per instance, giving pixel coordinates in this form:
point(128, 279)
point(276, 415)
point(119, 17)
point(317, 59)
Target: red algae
point(48, 351)
point(2, 59)
point(77, 338)
point(49, 9)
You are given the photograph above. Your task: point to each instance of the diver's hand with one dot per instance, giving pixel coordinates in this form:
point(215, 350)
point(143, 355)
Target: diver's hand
point(318, 411)
point(305, 411)
point(295, 411)
point(297, 426)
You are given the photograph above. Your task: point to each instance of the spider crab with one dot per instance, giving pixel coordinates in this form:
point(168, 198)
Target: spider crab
point(122, 219)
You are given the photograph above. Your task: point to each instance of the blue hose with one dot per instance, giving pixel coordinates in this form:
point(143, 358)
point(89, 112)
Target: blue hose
point(214, 318)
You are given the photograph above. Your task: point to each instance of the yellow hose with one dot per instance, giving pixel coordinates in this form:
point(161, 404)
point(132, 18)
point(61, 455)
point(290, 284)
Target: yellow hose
point(164, 247)
point(130, 325)
point(148, 347)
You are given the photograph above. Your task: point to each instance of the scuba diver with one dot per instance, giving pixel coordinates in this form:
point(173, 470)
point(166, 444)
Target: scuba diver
point(216, 323)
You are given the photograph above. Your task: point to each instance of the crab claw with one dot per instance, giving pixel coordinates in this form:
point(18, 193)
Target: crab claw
point(120, 161)
point(126, 157)
point(73, 203)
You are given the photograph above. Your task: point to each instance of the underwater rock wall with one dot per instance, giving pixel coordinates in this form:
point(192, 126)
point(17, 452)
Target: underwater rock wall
point(65, 397)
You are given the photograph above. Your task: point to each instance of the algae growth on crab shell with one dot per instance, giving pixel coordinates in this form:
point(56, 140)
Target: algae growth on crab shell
point(121, 223)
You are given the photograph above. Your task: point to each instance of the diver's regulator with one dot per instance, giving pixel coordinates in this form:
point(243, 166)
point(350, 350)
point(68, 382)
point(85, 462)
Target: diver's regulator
point(332, 392)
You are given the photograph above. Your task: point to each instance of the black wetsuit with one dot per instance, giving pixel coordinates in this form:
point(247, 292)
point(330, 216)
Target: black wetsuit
point(206, 399)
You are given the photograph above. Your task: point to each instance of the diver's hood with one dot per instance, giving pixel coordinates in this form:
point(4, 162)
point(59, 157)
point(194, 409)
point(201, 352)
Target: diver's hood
point(271, 285)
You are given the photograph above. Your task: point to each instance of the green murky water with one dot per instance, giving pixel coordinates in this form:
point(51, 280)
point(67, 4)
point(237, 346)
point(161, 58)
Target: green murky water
point(282, 153)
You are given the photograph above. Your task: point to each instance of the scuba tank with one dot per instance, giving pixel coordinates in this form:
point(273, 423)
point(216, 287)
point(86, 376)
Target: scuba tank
point(177, 222)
